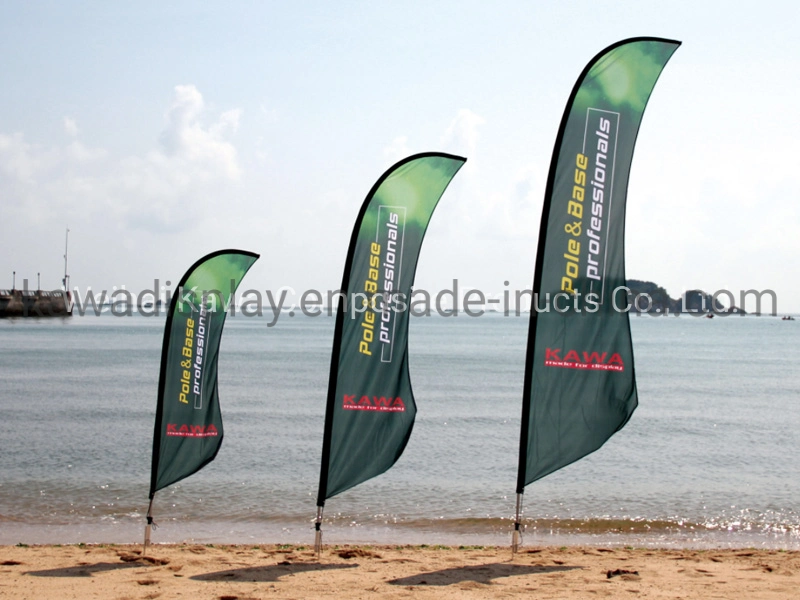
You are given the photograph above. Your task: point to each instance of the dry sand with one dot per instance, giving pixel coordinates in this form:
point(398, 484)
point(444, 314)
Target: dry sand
point(246, 572)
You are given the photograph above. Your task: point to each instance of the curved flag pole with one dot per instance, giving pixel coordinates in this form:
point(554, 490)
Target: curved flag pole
point(188, 426)
point(369, 389)
point(581, 254)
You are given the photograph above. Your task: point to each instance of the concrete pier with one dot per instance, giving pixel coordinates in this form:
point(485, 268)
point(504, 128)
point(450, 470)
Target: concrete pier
point(29, 303)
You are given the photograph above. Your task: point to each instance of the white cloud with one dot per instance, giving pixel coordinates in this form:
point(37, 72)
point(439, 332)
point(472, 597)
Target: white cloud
point(169, 187)
point(195, 147)
point(71, 127)
point(398, 149)
point(78, 152)
point(461, 136)
point(517, 212)
point(19, 159)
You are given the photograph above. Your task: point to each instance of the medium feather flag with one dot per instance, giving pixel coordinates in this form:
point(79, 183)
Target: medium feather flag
point(370, 408)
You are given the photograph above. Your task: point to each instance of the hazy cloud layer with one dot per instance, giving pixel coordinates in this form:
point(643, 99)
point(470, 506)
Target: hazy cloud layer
point(167, 188)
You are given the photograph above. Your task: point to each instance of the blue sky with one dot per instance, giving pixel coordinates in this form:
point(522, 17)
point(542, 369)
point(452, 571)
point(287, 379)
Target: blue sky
point(159, 132)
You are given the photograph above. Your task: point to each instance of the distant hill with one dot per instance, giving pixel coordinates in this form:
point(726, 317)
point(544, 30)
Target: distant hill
point(695, 301)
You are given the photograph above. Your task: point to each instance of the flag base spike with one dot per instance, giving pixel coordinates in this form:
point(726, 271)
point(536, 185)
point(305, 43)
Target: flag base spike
point(516, 537)
point(147, 529)
point(318, 533)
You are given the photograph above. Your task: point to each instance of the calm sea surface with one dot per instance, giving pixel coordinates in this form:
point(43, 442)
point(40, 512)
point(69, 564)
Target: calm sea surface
point(710, 457)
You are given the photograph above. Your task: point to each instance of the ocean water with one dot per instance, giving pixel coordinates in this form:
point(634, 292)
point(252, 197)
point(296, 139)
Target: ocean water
point(710, 457)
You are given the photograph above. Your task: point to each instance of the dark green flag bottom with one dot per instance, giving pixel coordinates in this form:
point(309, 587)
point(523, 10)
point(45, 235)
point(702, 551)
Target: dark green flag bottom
point(188, 426)
point(579, 386)
point(370, 408)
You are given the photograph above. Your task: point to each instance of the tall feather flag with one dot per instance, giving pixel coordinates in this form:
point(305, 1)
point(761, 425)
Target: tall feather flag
point(579, 386)
point(188, 427)
point(370, 408)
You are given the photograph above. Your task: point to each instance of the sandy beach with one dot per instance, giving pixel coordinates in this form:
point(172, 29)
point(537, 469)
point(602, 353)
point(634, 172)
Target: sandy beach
point(267, 571)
